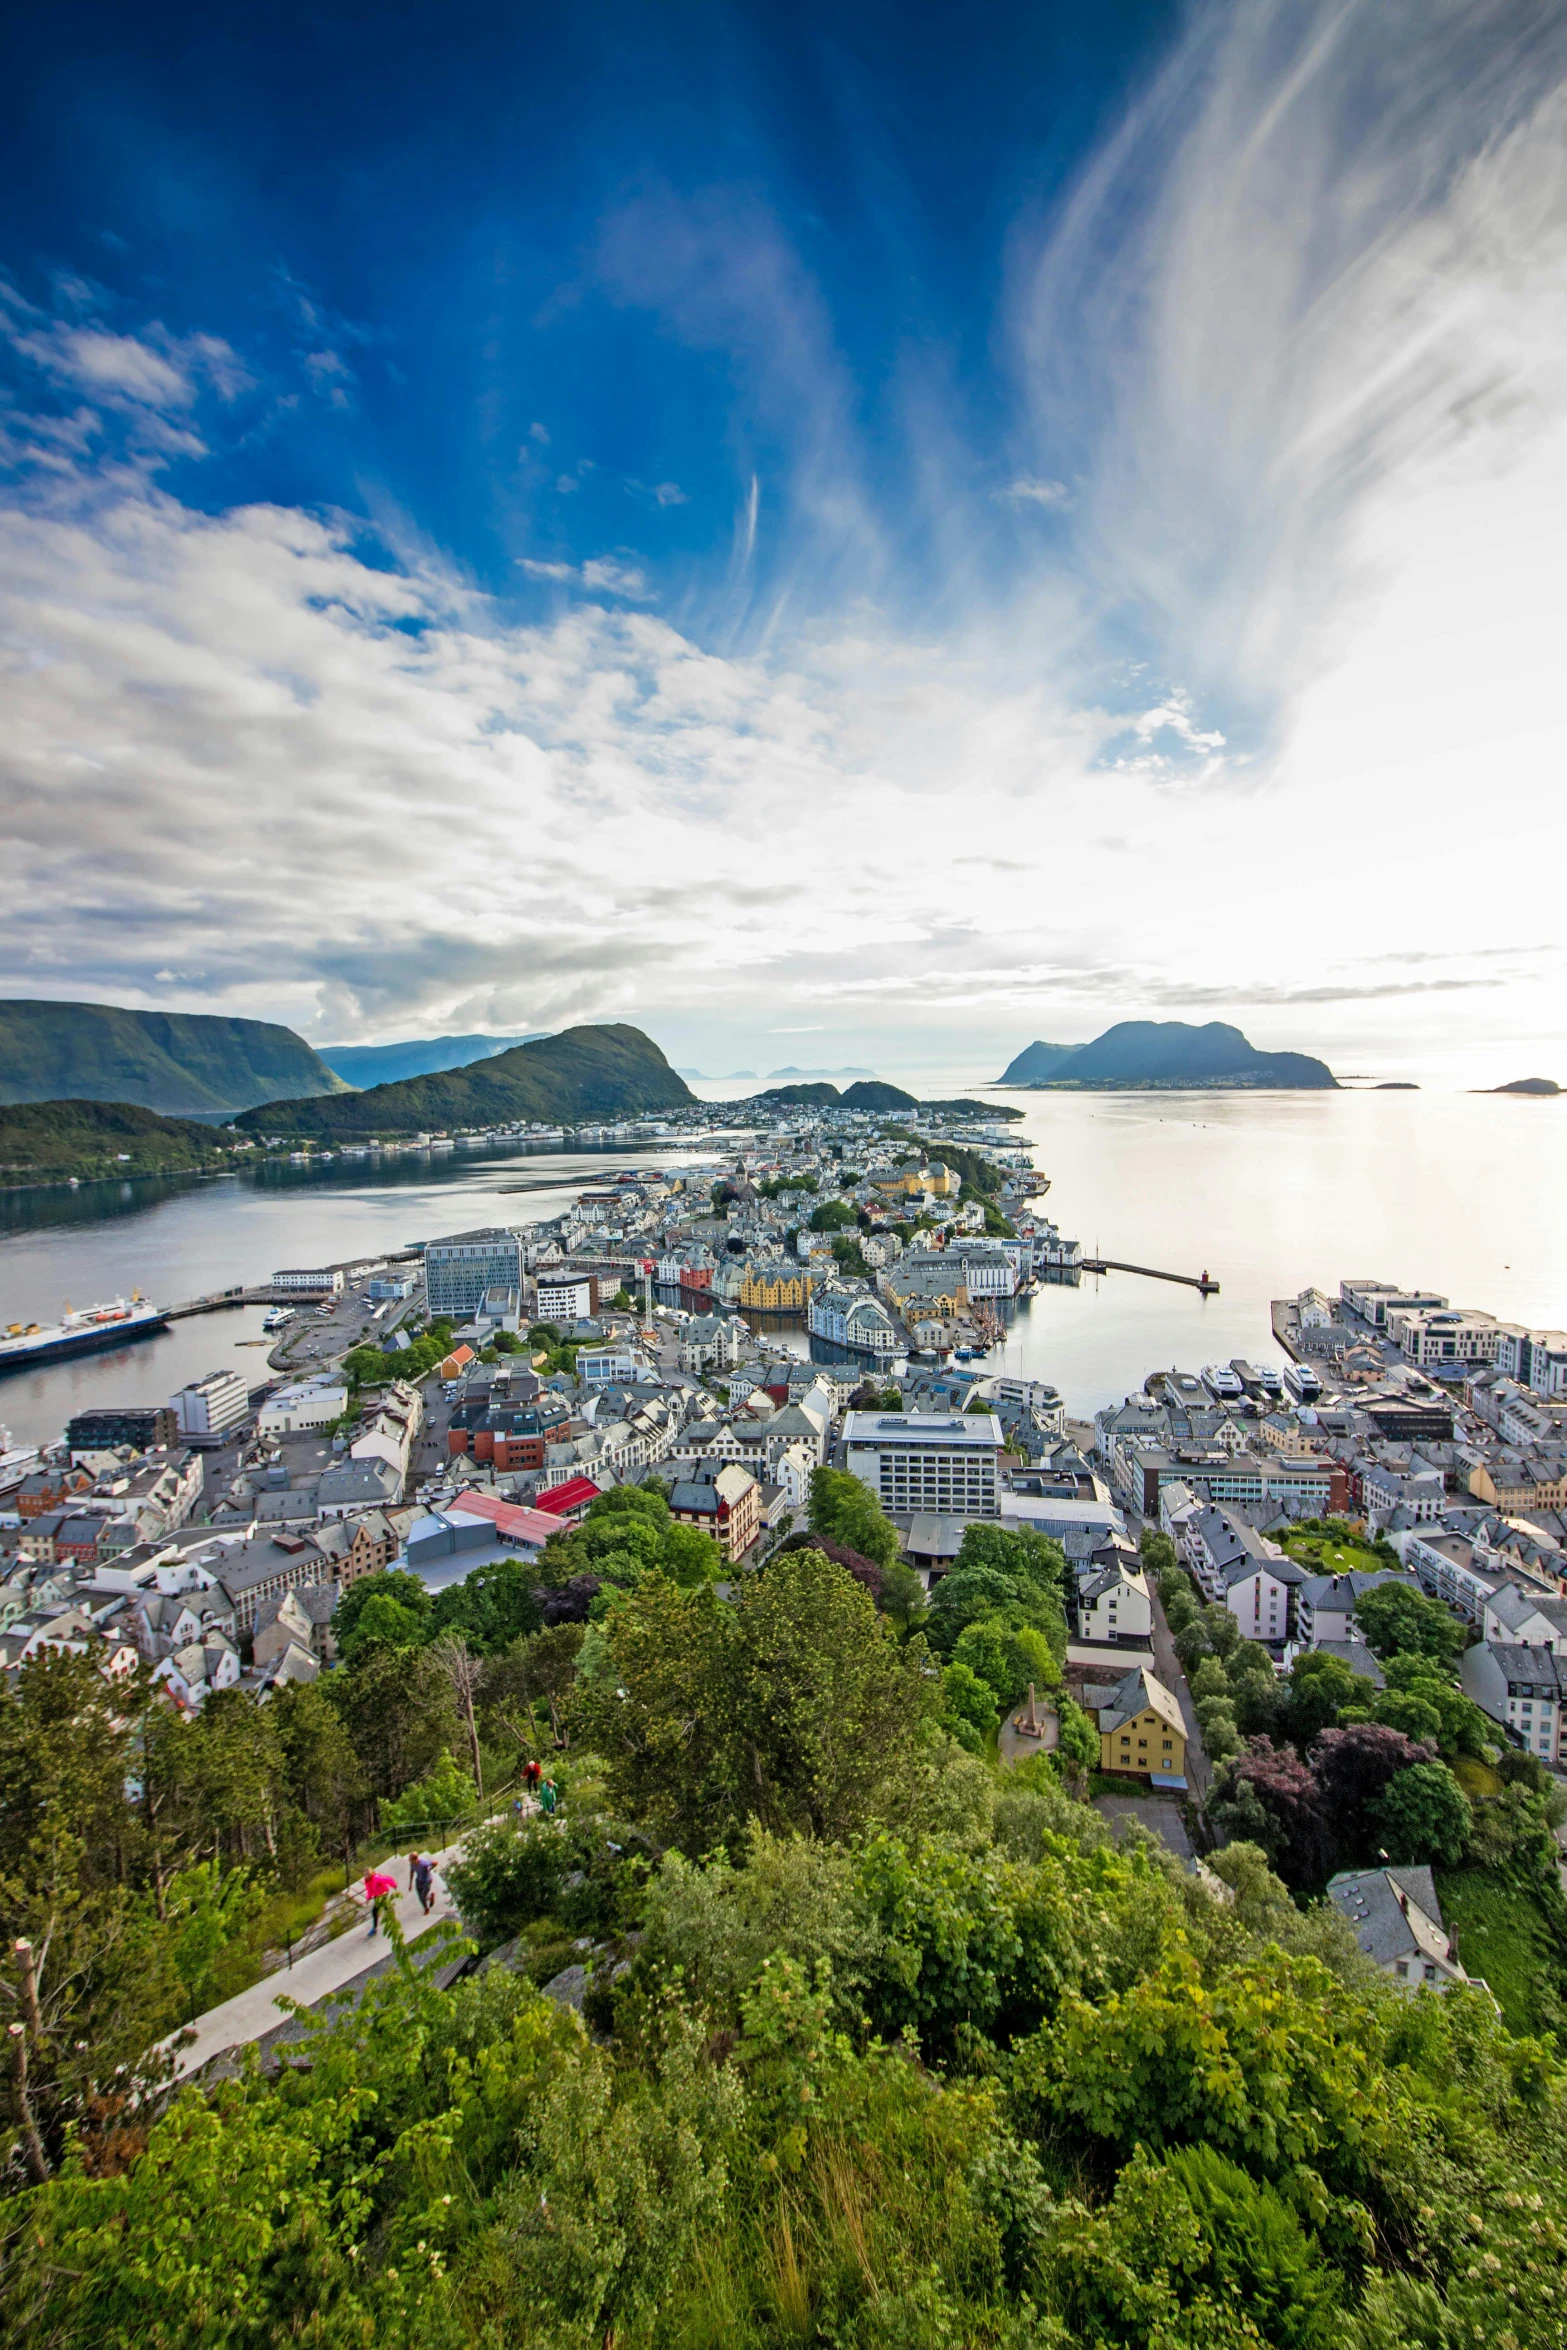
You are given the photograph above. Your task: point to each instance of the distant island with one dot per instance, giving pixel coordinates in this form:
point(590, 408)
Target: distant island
point(420, 1056)
point(870, 1093)
point(1396, 1085)
point(1537, 1085)
point(94, 1142)
point(584, 1073)
point(182, 1064)
point(793, 1072)
point(1138, 1054)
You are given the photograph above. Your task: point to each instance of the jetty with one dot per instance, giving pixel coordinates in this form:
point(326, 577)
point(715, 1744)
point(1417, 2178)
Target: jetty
point(1198, 1281)
point(220, 1301)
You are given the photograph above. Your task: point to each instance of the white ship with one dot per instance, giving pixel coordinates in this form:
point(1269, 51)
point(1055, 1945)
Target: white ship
point(83, 1332)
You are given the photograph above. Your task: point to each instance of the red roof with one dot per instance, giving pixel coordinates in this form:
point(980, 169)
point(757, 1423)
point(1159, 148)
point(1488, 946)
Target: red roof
point(510, 1519)
point(563, 1501)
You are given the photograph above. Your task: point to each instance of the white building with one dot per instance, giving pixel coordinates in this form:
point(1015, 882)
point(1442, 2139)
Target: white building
point(1243, 1571)
point(1447, 1336)
point(207, 1409)
point(1113, 1604)
point(563, 1299)
point(1525, 1619)
point(920, 1462)
point(310, 1280)
point(853, 1318)
point(1036, 1396)
point(1521, 1687)
point(312, 1404)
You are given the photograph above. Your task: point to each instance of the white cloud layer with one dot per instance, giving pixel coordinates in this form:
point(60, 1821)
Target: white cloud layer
point(1270, 726)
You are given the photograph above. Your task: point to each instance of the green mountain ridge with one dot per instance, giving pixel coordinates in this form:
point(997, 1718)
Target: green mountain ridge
point(49, 1142)
point(588, 1072)
point(1174, 1053)
point(191, 1064)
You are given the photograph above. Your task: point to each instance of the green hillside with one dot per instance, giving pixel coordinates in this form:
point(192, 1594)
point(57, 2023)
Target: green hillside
point(48, 1142)
point(582, 1073)
point(185, 1064)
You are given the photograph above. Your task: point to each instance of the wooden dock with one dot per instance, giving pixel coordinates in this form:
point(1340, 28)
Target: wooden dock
point(1197, 1281)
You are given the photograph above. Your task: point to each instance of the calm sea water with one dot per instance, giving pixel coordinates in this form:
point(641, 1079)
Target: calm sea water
point(1267, 1192)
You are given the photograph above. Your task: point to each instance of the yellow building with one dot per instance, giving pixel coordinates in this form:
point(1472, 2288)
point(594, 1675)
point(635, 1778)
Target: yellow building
point(939, 1180)
point(1517, 1481)
point(1141, 1731)
point(776, 1289)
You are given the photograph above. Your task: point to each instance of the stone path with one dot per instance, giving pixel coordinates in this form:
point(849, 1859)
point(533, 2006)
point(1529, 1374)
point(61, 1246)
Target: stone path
point(255, 2015)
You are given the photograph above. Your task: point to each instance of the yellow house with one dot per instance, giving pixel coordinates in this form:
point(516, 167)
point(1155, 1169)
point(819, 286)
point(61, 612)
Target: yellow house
point(1141, 1731)
point(938, 1179)
point(775, 1289)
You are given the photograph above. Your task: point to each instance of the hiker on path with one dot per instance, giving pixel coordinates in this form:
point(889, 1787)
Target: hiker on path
point(377, 1887)
point(424, 1885)
point(413, 1871)
point(547, 1798)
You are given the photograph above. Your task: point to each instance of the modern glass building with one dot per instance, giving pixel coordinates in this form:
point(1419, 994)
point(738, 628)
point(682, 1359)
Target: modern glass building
point(458, 1270)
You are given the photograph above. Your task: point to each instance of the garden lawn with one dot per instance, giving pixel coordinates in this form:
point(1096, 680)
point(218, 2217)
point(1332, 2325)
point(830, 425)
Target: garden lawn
point(1502, 1936)
point(1321, 1555)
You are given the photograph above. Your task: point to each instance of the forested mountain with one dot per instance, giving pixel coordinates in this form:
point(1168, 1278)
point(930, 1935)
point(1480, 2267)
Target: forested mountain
point(1166, 1053)
point(588, 1072)
point(48, 1142)
point(183, 1063)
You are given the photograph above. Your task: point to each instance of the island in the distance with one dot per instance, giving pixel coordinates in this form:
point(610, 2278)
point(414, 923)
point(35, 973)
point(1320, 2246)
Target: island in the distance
point(1536, 1085)
point(1137, 1054)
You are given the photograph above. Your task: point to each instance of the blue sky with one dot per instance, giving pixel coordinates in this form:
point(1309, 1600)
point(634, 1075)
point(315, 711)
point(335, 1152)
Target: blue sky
point(898, 527)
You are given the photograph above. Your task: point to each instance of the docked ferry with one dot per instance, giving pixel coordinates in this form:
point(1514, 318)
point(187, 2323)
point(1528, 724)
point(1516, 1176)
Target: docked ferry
point(84, 1332)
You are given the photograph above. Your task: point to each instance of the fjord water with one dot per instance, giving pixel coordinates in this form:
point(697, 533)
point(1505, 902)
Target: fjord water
point(178, 1239)
point(1267, 1192)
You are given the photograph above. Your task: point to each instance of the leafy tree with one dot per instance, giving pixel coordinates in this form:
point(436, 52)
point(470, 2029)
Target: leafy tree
point(321, 1770)
point(1268, 1797)
point(1422, 1814)
point(1397, 1619)
point(1318, 1689)
point(492, 1607)
point(834, 1215)
point(1352, 1768)
point(795, 1707)
point(1159, 1554)
point(1078, 1746)
point(1008, 1657)
point(393, 1585)
point(903, 1595)
point(1018, 1551)
point(843, 1507)
point(397, 1709)
point(967, 1698)
point(444, 1794)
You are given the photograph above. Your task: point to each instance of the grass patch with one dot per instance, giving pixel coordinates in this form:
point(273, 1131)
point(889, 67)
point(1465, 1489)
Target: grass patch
point(1503, 1935)
point(1325, 1556)
point(1475, 1777)
point(1112, 1783)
